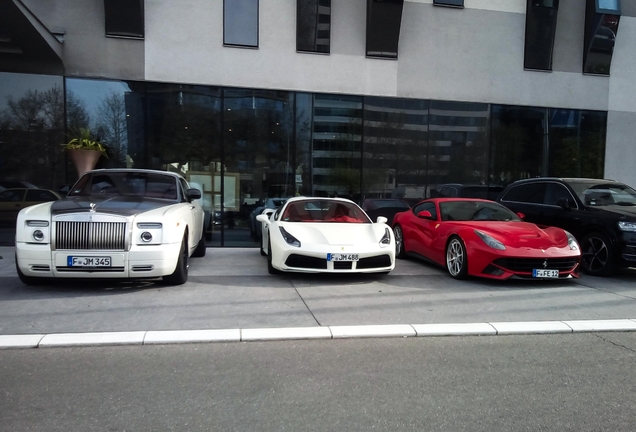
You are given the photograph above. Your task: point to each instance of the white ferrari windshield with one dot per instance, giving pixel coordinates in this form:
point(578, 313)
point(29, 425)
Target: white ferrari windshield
point(324, 211)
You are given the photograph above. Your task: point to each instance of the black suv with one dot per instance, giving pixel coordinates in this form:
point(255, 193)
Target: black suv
point(601, 214)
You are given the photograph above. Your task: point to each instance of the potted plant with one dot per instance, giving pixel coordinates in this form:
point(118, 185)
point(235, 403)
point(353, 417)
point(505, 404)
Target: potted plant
point(84, 150)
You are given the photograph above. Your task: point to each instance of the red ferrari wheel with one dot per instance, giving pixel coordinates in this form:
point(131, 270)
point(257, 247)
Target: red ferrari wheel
point(456, 260)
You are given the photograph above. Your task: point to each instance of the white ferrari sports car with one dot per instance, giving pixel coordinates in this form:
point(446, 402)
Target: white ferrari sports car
point(114, 223)
point(326, 235)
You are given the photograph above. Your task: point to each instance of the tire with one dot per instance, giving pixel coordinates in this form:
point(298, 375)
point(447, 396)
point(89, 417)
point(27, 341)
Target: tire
point(201, 248)
point(399, 242)
point(456, 259)
point(270, 267)
point(597, 257)
point(180, 275)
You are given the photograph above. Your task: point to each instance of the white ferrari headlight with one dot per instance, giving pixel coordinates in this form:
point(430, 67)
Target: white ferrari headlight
point(574, 245)
point(493, 243)
point(386, 238)
point(290, 239)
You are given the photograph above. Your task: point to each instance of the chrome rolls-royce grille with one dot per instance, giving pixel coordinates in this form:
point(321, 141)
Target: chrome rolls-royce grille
point(90, 235)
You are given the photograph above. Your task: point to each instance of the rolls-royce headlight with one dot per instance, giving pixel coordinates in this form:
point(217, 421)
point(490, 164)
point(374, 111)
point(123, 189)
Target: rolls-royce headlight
point(146, 237)
point(149, 225)
point(38, 235)
point(37, 223)
point(386, 238)
point(493, 243)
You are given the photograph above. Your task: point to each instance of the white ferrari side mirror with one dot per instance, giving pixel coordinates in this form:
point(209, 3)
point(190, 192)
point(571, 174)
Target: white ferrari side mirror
point(382, 219)
point(262, 218)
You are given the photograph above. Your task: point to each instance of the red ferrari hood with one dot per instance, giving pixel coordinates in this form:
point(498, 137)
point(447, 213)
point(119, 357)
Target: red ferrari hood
point(524, 234)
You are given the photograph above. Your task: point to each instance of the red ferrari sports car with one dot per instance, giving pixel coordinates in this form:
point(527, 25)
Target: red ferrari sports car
point(483, 238)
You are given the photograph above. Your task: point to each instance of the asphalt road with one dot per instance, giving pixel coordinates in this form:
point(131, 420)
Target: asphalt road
point(230, 288)
point(576, 382)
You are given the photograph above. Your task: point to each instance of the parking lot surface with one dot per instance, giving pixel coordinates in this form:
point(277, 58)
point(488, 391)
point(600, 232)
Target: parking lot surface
point(231, 289)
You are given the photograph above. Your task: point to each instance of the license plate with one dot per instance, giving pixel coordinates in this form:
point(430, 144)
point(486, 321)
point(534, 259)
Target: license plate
point(342, 257)
point(79, 261)
point(543, 273)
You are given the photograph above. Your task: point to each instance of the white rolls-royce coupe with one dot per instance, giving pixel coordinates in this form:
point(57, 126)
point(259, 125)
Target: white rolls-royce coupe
point(326, 235)
point(114, 223)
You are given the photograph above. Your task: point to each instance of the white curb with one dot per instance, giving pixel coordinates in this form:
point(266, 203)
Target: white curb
point(473, 329)
point(395, 330)
point(92, 339)
point(20, 341)
point(297, 333)
point(191, 336)
point(285, 333)
point(531, 327)
point(602, 325)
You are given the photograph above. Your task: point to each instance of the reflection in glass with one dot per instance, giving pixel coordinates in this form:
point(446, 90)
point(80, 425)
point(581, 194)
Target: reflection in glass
point(240, 22)
point(394, 157)
point(184, 134)
point(541, 20)
point(303, 127)
point(258, 156)
point(517, 143)
point(458, 143)
point(384, 19)
point(313, 25)
point(600, 38)
point(577, 143)
point(336, 151)
point(32, 130)
point(112, 112)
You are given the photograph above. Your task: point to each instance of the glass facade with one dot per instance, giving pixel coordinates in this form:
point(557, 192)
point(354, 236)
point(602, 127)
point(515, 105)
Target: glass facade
point(243, 146)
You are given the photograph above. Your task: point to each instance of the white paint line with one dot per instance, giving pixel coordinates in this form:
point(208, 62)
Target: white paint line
point(92, 339)
point(288, 333)
point(192, 336)
point(473, 329)
point(394, 330)
point(531, 327)
point(602, 325)
point(20, 341)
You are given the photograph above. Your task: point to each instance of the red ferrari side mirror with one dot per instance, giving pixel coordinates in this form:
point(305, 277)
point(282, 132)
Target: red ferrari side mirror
point(425, 214)
point(521, 215)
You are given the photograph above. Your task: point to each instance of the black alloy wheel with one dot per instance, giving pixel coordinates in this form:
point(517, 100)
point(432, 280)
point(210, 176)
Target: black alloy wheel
point(597, 258)
point(399, 242)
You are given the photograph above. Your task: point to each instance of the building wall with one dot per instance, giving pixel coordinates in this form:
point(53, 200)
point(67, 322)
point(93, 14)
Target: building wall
point(87, 52)
point(472, 54)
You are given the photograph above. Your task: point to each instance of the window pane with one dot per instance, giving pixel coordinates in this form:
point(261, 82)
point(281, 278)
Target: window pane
point(313, 25)
point(600, 37)
point(124, 18)
point(608, 6)
point(240, 22)
point(458, 143)
point(383, 27)
point(517, 143)
point(540, 29)
point(577, 143)
point(113, 114)
point(258, 156)
point(31, 131)
point(449, 2)
point(184, 135)
point(336, 146)
point(395, 138)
